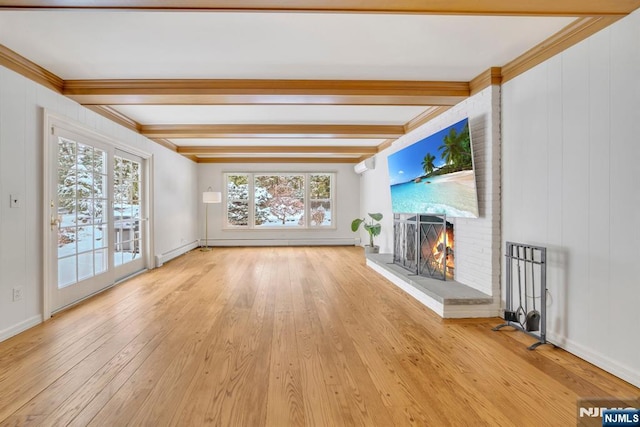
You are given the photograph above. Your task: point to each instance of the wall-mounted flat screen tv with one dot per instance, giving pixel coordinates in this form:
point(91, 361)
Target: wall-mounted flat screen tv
point(435, 175)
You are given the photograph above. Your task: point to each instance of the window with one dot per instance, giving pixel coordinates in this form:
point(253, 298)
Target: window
point(320, 199)
point(279, 200)
point(237, 200)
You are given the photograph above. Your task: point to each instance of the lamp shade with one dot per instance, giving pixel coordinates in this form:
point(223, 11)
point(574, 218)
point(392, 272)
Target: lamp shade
point(211, 197)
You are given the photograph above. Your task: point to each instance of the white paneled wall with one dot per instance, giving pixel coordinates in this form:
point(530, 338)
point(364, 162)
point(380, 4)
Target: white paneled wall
point(21, 152)
point(571, 128)
point(477, 240)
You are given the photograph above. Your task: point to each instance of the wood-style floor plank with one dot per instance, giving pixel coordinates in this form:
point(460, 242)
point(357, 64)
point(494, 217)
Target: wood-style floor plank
point(282, 337)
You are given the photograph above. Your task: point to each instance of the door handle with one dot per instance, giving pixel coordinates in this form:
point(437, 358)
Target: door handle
point(55, 220)
point(55, 223)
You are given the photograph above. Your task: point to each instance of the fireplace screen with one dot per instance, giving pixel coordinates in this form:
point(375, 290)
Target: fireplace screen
point(423, 244)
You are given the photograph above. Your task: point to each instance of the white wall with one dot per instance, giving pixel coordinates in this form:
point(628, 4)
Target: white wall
point(176, 201)
point(347, 206)
point(21, 153)
point(571, 155)
point(477, 240)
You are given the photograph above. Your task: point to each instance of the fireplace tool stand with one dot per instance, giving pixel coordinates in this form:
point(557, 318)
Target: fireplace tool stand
point(526, 302)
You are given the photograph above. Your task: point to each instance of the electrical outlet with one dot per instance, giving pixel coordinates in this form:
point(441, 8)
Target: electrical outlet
point(17, 294)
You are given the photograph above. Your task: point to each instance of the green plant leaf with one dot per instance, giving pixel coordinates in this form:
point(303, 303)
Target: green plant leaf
point(356, 224)
point(374, 229)
point(376, 216)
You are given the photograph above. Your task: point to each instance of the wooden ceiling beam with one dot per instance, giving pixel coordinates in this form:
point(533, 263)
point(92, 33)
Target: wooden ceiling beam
point(267, 92)
point(272, 131)
point(263, 149)
point(438, 7)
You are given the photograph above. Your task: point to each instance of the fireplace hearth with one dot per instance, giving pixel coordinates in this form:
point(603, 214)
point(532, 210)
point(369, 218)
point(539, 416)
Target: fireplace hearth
point(423, 244)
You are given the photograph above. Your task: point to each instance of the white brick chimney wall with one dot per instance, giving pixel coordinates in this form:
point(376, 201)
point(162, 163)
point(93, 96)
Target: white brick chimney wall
point(477, 240)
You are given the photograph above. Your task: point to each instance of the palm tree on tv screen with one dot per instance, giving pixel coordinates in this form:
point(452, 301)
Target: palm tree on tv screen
point(456, 150)
point(451, 147)
point(427, 163)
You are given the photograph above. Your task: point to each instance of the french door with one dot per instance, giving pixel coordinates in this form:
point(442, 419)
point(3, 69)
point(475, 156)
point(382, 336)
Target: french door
point(96, 216)
point(128, 214)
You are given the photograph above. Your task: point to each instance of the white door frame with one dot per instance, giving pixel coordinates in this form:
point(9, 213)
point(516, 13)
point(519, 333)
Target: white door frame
point(52, 120)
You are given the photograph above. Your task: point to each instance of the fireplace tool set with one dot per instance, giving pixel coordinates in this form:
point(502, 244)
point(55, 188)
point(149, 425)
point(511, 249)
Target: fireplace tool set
point(526, 292)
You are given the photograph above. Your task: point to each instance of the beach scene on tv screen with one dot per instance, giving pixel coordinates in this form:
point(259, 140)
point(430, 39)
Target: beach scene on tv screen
point(435, 175)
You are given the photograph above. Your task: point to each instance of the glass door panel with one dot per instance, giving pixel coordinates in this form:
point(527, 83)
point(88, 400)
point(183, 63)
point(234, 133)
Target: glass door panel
point(96, 217)
point(128, 214)
point(81, 220)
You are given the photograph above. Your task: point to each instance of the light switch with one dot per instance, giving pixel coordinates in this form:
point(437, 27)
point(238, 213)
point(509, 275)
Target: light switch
point(16, 201)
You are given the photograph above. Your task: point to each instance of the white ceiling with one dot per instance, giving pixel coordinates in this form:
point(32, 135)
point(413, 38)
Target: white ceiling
point(156, 45)
point(92, 45)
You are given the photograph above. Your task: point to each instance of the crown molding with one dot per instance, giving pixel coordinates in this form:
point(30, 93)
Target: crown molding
point(492, 76)
point(125, 121)
point(115, 116)
point(570, 35)
point(30, 70)
point(166, 144)
point(386, 144)
point(425, 117)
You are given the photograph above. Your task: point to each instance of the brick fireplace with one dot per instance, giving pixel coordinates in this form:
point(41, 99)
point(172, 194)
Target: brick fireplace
point(477, 246)
point(424, 245)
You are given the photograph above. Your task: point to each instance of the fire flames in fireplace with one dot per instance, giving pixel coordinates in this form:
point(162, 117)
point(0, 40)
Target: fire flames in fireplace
point(439, 250)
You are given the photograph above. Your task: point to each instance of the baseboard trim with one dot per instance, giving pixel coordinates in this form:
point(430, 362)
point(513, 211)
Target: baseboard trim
point(20, 327)
point(167, 256)
point(284, 242)
point(600, 360)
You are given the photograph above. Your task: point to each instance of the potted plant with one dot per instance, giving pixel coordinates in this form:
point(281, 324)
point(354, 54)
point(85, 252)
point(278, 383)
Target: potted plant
point(372, 228)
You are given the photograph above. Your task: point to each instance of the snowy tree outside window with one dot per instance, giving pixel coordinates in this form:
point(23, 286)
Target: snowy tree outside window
point(126, 209)
point(83, 203)
point(81, 184)
point(320, 195)
point(279, 200)
point(238, 200)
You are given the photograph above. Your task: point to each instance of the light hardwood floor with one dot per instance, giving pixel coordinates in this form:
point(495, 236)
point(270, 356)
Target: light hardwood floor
point(279, 337)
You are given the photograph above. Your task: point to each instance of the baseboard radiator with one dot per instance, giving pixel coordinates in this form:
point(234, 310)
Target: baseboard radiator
point(285, 242)
point(167, 256)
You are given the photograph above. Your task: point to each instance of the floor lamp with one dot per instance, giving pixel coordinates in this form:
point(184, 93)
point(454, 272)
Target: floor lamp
point(209, 197)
